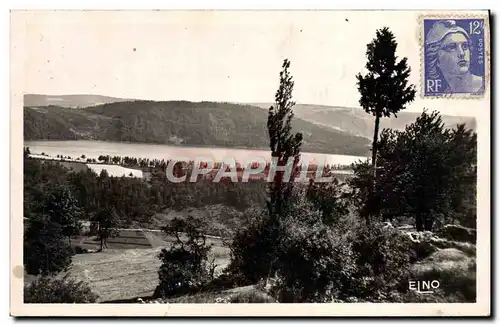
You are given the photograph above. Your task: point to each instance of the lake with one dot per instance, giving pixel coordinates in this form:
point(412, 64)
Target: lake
point(92, 149)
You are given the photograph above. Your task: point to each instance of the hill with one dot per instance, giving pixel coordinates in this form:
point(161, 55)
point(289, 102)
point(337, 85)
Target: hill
point(179, 123)
point(357, 122)
point(69, 101)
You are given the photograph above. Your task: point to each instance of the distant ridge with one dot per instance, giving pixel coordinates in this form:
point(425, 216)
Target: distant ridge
point(70, 101)
point(347, 120)
point(357, 122)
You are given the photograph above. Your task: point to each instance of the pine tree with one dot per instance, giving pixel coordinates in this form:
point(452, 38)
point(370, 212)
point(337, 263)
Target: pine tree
point(384, 90)
point(64, 209)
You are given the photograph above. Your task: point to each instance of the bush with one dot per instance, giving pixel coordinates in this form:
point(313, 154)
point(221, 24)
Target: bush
point(185, 264)
point(252, 296)
point(329, 199)
point(252, 249)
point(316, 263)
point(45, 249)
point(47, 290)
point(382, 258)
point(307, 260)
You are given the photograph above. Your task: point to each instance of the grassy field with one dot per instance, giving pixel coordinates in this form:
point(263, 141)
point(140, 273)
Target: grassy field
point(129, 267)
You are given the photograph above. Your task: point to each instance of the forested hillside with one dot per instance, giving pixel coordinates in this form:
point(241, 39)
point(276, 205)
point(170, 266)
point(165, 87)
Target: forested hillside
point(179, 123)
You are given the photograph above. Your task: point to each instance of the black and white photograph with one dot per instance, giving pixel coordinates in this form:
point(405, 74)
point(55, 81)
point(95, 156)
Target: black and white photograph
point(165, 158)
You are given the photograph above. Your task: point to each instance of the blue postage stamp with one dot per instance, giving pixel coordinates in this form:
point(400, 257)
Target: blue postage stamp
point(454, 57)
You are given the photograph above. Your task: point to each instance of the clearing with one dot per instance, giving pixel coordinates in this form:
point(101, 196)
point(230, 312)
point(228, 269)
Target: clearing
point(129, 267)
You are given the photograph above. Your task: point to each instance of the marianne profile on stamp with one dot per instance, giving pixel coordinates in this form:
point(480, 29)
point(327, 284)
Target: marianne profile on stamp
point(449, 60)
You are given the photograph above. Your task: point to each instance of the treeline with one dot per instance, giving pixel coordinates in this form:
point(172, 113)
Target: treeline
point(134, 200)
point(134, 162)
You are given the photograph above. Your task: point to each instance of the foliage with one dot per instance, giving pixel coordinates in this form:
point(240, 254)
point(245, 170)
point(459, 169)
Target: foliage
point(253, 249)
point(330, 199)
point(384, 89)
point(382, 259)
point(426, 171)
point(64, 209)
point(252, 296)
point(50, 290)
point(104, 224)
point(315, 263)
point(361, 188)
point(284, 145)
point(45, 251)
point(185, 264)
point(254, 246)
point(134, 200)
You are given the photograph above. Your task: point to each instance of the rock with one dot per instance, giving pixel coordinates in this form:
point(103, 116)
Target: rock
point(388, 225)
point(406, 227)
point(458, 233)
point(426, 243)
point(421, 244)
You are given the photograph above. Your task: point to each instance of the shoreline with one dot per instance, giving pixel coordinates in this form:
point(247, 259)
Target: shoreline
point(187, 146)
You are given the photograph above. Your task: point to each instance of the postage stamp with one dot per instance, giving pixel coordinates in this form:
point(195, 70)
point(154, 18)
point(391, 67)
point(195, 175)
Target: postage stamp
point(454, 57)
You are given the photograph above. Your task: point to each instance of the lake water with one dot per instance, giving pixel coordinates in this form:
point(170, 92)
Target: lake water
point(92, 149)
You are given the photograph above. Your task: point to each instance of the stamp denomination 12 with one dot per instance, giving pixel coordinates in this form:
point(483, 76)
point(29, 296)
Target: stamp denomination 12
point(454, 56)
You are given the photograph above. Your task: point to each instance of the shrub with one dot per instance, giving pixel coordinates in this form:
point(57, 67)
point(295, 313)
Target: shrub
point(382, 258)
point(329, 199)
point(48, 290)
point(252, 296)
point(185, 264)
point(45, 249)
point(252, 248)
point(316, 263)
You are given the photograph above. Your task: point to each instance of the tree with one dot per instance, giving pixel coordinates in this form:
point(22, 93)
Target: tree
point(105, 225)
point(254, 245)
point(185, 264)
point(284, 145)
point(464, 156)
point(64, 209)
point(427, 171)
point(45, 251)
point(384, 89)
point(329, 199)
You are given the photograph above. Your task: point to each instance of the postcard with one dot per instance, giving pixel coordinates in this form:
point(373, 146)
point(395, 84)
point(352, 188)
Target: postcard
point(250, 163)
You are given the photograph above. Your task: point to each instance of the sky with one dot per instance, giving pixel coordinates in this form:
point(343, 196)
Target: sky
point(213, 55)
